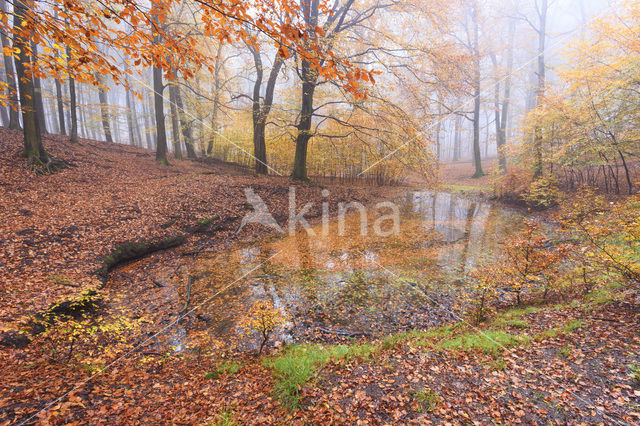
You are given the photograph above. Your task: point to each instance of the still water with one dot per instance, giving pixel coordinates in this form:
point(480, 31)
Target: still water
point(337, 287)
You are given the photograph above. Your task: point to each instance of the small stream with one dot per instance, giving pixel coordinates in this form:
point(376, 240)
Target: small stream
point(333, 287)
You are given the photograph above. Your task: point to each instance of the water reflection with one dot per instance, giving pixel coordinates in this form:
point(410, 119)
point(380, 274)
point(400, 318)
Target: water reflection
point(335, 286)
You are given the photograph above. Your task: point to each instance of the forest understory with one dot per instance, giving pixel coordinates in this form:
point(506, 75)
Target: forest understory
point(562, 361)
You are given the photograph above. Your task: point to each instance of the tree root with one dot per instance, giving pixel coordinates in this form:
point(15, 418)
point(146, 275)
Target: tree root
point(52, 165)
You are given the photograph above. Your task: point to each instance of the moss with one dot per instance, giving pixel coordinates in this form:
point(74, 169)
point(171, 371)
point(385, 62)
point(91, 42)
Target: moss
point(135, 250)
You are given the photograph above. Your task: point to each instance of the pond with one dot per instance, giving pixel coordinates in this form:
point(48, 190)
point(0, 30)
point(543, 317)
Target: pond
point(332, 287)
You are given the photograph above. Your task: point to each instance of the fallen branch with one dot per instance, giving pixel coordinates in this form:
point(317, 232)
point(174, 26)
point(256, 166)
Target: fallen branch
point(347, 333)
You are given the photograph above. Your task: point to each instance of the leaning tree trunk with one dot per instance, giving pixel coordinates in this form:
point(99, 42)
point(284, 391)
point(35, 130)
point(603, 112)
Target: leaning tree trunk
point(14, 117)
point(33, 148)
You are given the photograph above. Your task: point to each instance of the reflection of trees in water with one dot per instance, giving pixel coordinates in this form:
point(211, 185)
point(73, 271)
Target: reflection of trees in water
point(471, 212)
point(307, 267)
point(463, 225)
point(311, 285)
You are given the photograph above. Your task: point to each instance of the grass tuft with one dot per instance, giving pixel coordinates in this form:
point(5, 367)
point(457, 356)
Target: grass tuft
point(490, 342)
point(299, 363)
point(427, 399)
point(227, 367)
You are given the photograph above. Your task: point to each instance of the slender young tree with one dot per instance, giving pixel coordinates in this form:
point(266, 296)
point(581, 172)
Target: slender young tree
point(477, 156)
point(501, 112)
point(175, 125)
point(104, 108)
point(185, 124)
point(542, 35)
point(14, 106)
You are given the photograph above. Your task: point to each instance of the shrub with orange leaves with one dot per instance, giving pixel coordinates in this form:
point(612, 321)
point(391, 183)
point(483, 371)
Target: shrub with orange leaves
point(531, 262)
point(483, 293)
point(513, 185)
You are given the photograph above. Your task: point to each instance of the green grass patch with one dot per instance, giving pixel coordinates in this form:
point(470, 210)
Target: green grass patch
point(299, 363)
point(567, 328)
point(498, 365)
point(634, 373)
point(227, 367)
point(427, 399)
point(572, 326)
point(225, 418)
point(490, 342)
point(206, 221)
point(565, 352)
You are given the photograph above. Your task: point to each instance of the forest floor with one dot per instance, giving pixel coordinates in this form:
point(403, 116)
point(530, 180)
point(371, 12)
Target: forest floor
point(561, 362)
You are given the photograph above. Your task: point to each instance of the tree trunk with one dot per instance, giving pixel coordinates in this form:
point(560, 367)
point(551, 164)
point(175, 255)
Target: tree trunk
point(262, 109)
point(502, 134)
point(63, 127)
point(104, 109)
point(185, 125)
point(4, 115)
point(147, 125)
point(456, 139)
point(82, 117)
point(175, 126)
point(309, 80)
point(477, 160)
point(259, 148)
point(132, 139)
point(73, 108)
point(14, 116)
point(37, 92)
point(33, 148)
point(304, 125)
point(438, 128)
point(161, 132)
point(537, 143)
